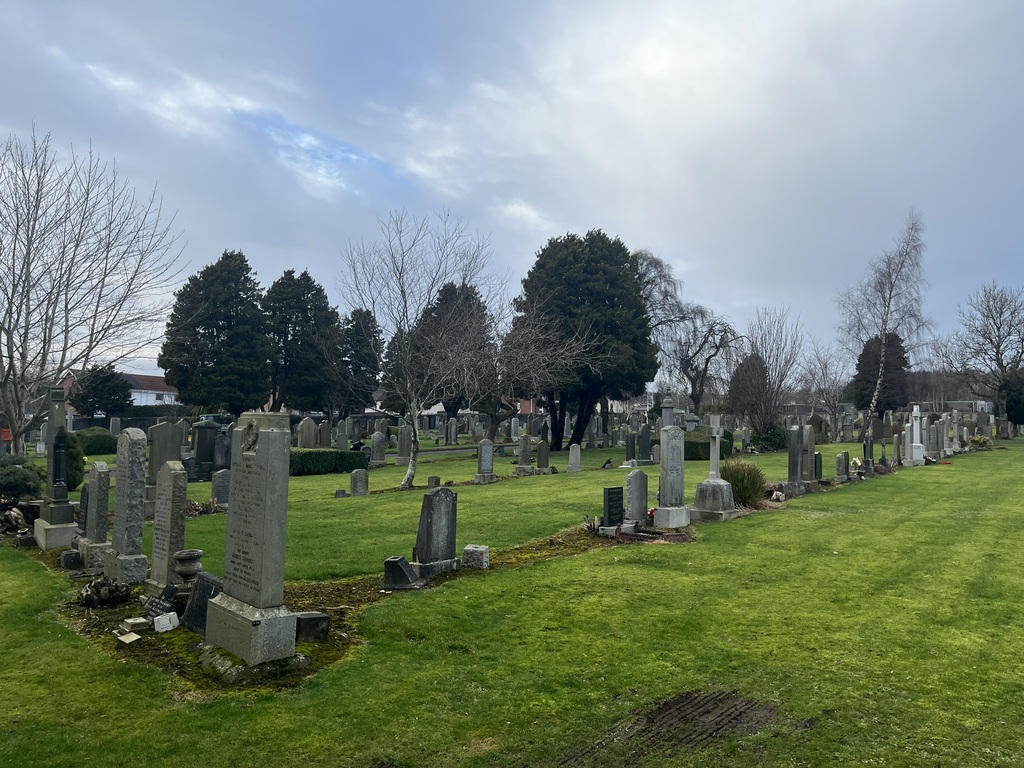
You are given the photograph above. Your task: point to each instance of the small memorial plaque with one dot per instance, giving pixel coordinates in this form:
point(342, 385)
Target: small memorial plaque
point(165, 622)
point(158, 606)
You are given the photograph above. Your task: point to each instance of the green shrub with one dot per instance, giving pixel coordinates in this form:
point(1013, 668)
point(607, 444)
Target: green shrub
point(981, 442)
point(20, 480)
point(747, 480)
point(97, 441)
point(773, 439)
point(324, 461)
point(76, 462)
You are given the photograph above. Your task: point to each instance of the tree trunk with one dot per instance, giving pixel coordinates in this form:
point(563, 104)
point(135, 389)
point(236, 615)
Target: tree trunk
point(584, 413)
point(558, 410)
point(410, 471)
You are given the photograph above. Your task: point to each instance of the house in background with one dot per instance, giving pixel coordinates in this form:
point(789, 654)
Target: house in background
point(150, 390)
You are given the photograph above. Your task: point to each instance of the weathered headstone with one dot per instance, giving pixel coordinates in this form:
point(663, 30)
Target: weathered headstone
point(795, 485)
point(630, 447)
point(404, 446)
point(93, 545)
point(222, 452)
point(671, 511)
point(55, 527)
point(525, 466)
point(842, 467)
point(221, 490)
point(574, 458)
point(543, 458)
point(248, 617)
point(206, 587)
point(359, 482)
point(476, 556)
point(115, 425)
point(377, 459)
point(125, 561)
point(636, 496)
point(644, 447)
point(808, 457)
point(164, 441)
point(168, 525)
point(434, 552)
point(306, 433)
point(324, 436)
point(485, 463)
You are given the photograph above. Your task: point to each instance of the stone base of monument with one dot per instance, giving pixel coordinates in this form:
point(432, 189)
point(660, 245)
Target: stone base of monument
point(645, 462)
point(524, 471)
point(542, 471)
point(714, 502)
point(399, 574)
point(430, 570)
point(628, 526)
point(377, 464)
point(671, 517)
point(794, 489)
point(255, 635)
point(485, 479)
point(128, 569)
point(53, 535)
point(401, 461)
point(94, 555)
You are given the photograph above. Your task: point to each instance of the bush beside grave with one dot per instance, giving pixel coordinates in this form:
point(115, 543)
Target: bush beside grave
point(324, 461)
point(20, 480)
point(97, 441)
point(772, 439)
point(747, 480)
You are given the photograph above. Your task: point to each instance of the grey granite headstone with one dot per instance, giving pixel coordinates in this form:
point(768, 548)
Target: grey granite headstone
point(404, 446)
point(222, 452)
point(115, 425)
point(164, 445)
point(574, 458)
point(307, 433)
point(324, 434)
point(543, 458)
point(671, 511)
point(377, 459)
point(630, 447)
point(485, 463)
point(435, 540)
point(168, 525)
point(359, 482)
point(125, 561)
point(248, 618)
point(636, 496)
point(221, 490)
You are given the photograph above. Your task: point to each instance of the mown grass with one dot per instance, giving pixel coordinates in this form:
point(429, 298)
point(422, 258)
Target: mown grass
point(883, 619)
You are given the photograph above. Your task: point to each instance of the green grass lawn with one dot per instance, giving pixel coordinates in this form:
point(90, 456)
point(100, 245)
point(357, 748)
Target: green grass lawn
point(884, 620)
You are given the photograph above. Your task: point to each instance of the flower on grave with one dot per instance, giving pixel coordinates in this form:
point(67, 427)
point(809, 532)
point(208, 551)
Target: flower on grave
point(650, 513)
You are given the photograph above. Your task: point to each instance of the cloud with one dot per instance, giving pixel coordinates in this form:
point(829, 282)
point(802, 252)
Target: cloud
point(522, 213)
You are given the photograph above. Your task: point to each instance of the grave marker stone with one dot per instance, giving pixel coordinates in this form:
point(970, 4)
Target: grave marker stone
point(93, 545)
point(359, 482)
point(125, 561)
point(636, 496)
point(614, 512)
point(485, 463)
point(574, 458)
point(168, 525)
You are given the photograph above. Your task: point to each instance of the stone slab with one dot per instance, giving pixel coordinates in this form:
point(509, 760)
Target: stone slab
point(53, 535)
point(671, 517)
point(255, 635)
point(312, 627)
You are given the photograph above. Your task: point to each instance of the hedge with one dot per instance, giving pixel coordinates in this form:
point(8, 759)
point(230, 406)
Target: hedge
point(97, 441)
point(697, 445)
point(324, 461)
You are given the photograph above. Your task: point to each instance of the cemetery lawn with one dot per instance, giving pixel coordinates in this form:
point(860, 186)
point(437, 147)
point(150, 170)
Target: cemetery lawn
point(881, 623)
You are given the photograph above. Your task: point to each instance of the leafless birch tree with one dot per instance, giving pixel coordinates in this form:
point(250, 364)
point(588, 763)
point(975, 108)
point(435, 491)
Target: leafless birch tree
point(86, 270)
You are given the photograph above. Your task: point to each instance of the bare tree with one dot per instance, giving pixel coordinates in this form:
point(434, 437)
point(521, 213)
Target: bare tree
point(887, 299)
point(826, 372)
point(86, 269)
point(660, 290)
point(778, 343)
point(699, 339)
point(398, 278)
point(991, 345)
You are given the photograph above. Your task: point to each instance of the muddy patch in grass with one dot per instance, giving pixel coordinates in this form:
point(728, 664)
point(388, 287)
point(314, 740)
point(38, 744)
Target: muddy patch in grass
point(689, 720)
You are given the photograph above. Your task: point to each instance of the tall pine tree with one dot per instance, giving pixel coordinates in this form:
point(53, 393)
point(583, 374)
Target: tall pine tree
point(216, 349)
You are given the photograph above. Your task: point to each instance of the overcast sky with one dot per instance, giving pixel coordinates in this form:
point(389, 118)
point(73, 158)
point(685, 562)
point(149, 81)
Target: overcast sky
point(766, 150)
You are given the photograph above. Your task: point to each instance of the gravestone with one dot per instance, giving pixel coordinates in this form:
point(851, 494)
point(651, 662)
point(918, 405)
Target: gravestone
point(543, 458)
point(917, 447)
point(636, 496)
point(404, 446)
point(54, 422)
point(221, 452)
point(630, 447)
point(476, 556)
point(671, 511)
point(359, 482)
point(221, 491)
point(656, 454)
point(485, 463)
point(306, 433)
point(377, 459)
point(842, 467)
point(324, 435)
point(205, 587)
point(574, 458)
point(795, 485)
point(614, 512)
point(115, 425)
point(55, 527)
point(168, 526)
point(808, 458)
point(125, 561)
point(434, 552)
point(248, 618)
point(525, 467)
point(452, 432)
point(204, 435)
point(644, 447)
point(164, 441)
point(93, 545)
point(714, 500)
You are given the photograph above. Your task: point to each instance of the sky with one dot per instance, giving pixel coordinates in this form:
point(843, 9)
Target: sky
point(767, 151)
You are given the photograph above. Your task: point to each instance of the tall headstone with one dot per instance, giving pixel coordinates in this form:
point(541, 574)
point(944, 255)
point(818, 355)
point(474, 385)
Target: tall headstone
point(644, 447)
point(714, 500)
point(435, 539)
point(359, 482)
point(222, 452)
point(574, 458)
point(377, 450)
point(248, 617)
point(168, 525)
point(671, 511)
point(54, 423)
point(630, 447)
point(125, 561)
point(808, 458)
point(636, 496)
point(221, 487)
point(452, 432)
point(164, 445)
point(485, 463)
point(795, 485)
point(324, 435)
point(525, 466)
point(842, 467)
point(917, 447)
point(93, 545)
point(55, 527)
point(668, 411)
point(306, 434)
point(404, 446)
point(543, 458)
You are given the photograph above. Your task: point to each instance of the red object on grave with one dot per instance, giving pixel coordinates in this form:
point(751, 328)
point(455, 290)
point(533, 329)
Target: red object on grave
point(6, 436)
